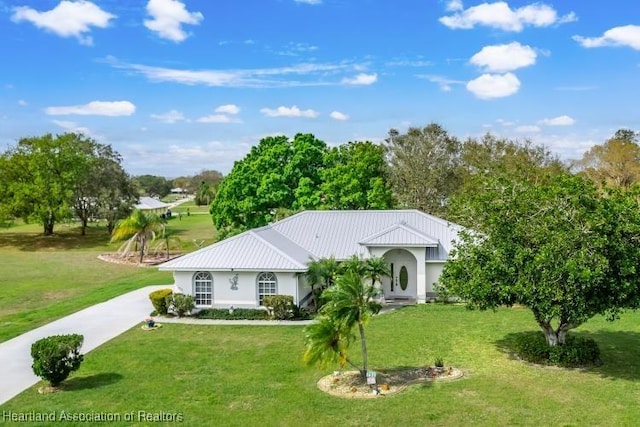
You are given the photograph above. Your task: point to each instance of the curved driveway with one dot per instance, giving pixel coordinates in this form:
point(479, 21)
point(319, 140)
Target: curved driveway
point(98, 324)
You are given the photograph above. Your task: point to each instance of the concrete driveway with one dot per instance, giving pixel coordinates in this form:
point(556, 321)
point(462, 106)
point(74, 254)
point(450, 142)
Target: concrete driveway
point(98, 324)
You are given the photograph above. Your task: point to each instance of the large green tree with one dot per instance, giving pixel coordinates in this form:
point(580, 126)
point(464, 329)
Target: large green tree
point(103, 189)
point(266, 180)
point(559, 248)
point(424, 167)
point(40, 176)
point(355, 177)
point(281, 175)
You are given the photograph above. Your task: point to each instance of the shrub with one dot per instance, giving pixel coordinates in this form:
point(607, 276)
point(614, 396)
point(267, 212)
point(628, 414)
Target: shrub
point(182, 304)
point(161, 300)
point(575, 352)
point(280, 307)
point(235, 314)
point(443, 293)
point(439, 362)
point(55, 357)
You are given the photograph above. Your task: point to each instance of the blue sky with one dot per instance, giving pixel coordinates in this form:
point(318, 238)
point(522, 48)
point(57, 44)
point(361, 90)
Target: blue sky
point(181, 86)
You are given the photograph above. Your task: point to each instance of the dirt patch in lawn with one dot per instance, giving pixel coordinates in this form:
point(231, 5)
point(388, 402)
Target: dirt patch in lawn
point(134, 259)
point(350, 384)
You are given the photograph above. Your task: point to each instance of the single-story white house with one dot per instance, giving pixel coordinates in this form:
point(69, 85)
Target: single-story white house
point(151, 205)
point(241, 270)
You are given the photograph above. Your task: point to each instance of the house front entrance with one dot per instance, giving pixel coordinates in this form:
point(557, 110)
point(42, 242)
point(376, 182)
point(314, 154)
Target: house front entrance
point(403, 281)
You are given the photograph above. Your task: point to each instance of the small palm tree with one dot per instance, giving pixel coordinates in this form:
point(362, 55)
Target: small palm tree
point(350, 302)
point(353, 264)
point(139, 228)
point(321, 273)
point(166, 241)
point(375, 269)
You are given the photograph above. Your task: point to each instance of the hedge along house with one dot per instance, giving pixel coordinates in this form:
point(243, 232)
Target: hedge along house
point(241, 270)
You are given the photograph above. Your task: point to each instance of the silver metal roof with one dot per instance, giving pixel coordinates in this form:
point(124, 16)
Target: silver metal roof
point(247, 251)
point(339, 233)
point(288, 245)
point(399, 235)
point(147, 203)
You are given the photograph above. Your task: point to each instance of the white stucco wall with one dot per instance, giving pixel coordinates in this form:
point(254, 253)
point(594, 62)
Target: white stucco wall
point(433, 272)
point(246, 293)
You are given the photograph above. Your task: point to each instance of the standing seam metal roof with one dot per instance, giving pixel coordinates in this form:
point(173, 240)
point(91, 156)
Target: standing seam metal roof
point(288, 245)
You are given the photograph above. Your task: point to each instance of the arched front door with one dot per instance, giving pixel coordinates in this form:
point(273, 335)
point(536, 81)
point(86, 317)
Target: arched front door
point(403, 281)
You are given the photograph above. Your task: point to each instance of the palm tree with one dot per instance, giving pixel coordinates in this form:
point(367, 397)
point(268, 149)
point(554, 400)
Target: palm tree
point(353, 264)
point(167, 240)
point(350, 302)
point(375, 269)
point(139, 228)
point(321, 273)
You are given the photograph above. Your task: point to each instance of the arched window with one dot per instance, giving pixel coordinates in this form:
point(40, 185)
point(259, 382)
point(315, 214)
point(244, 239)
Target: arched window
point(267, 285)
point(203, 288)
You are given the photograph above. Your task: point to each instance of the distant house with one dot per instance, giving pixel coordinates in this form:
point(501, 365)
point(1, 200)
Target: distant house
point(179, 190)
point(241, 270)
point(151, 205)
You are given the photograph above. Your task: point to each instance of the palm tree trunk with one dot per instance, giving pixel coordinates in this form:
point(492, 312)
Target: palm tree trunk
point(363, 344)
point(142, 244)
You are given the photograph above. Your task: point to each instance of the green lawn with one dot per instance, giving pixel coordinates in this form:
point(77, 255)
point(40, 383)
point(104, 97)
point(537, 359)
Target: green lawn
point(43, 278)
point(253, 376)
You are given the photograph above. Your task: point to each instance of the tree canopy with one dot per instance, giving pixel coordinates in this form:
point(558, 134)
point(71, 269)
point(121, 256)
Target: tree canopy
point(558, 247)
point(49, 178)
point(614, 163)
point(424, 167)
point(280, 175)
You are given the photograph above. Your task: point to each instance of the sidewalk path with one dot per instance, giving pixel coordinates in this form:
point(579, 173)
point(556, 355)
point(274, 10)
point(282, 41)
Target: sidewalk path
point(98, 324)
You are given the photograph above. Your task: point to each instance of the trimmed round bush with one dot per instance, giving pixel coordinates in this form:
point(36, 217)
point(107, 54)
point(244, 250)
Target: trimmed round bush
point(55, 357)
point(575, 352)
point(161, 299)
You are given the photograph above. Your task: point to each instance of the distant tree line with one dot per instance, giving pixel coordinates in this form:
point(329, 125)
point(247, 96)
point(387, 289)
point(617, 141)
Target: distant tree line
point(203, 185)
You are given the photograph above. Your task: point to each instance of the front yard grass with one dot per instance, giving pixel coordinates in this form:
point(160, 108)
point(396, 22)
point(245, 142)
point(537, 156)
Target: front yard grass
point(254, 376)
point(43, 278)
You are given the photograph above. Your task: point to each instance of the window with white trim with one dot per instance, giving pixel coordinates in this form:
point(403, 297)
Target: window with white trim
point(267, 285)
point(202, 288)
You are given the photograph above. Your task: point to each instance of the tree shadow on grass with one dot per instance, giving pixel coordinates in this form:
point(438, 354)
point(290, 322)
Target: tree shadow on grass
point(61, 239)
point(90, 382)
point(619, 352)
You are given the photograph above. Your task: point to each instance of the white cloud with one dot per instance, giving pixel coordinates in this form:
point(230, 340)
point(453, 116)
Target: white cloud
point(489, 86)
point(292, 111)
point(361, 79)
point(444, 82)
point(627, 35)
point(168, 16)
point(169, 117)
point(500, 15)
point(504, 57)
point(337, 115)
point(218, 118)
point(558, 121)
point(528, 129)
point(22, 103)
point(228, 109)
point(505, 123)
point(309, 1)
point(143, 158)
point(95, 108)
point(69, 126)
point(307, 74)
point(454, 5)
point(67, 19)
